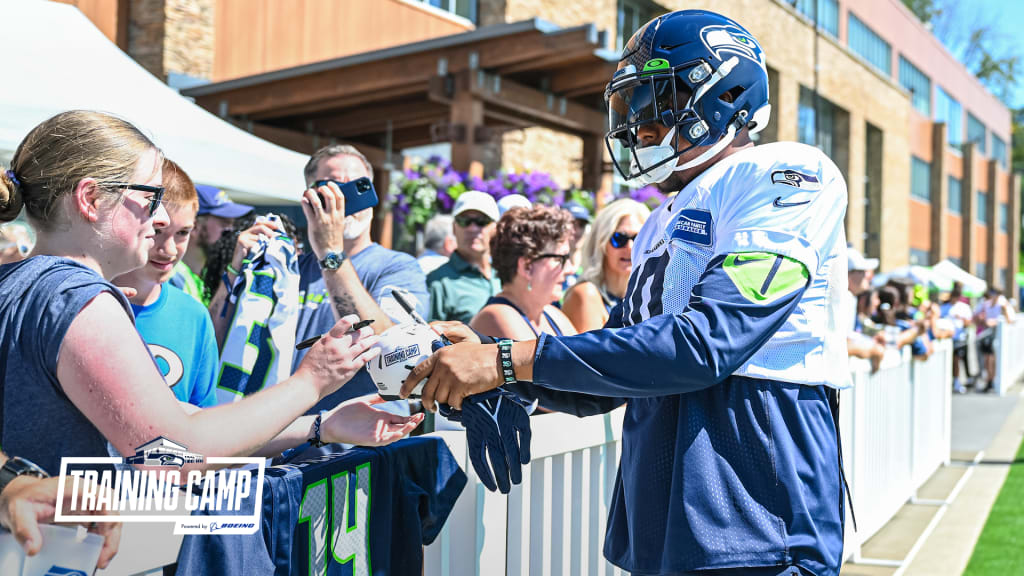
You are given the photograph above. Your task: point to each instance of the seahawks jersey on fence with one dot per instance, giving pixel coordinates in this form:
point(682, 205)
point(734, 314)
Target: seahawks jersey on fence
point(354, 513)
point(784, 198)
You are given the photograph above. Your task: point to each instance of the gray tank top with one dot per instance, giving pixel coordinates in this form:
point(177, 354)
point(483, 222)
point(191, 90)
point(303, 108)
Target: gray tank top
point(39, 298)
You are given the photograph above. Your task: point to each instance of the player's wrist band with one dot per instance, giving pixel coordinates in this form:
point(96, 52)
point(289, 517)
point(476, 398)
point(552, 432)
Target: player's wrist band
point(315, 441)
point(508, 375)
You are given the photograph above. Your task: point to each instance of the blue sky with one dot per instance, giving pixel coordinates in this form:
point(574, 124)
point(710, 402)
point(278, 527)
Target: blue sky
point(1005, 16)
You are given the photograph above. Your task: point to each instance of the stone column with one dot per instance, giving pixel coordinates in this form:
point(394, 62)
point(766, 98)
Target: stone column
point(939, 194)
point(969, 212)
point(992, 229)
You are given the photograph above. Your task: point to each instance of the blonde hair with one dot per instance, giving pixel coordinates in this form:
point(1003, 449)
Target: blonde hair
point(59, 153)
point(595, 245)
point(179, 191)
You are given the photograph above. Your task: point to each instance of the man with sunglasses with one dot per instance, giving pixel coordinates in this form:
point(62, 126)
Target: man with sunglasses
point(461, 287)
point(729, 346)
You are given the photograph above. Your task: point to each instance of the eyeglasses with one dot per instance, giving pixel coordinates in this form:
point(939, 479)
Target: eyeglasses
point(562, 258)
point(156, 191)
point(466, 221)
point(620, 239)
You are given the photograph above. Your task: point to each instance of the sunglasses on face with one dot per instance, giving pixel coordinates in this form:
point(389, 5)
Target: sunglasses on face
point(620, 239)
point(466, 221)
point(156, 191)
point(562, 258)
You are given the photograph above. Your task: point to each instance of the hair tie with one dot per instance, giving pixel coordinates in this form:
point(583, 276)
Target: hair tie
point(17, 183)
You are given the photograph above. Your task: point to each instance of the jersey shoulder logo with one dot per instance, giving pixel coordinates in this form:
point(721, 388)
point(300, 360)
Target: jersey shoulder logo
point(796, 179)
point(692, 225)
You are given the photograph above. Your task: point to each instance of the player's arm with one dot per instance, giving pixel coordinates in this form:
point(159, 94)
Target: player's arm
point(739, 302)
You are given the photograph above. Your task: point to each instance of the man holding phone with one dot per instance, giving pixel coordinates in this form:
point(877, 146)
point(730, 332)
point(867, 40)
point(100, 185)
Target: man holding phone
point(345, 272)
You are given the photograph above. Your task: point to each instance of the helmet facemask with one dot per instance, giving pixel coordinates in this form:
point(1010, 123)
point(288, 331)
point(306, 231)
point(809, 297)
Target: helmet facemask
point(671, 96)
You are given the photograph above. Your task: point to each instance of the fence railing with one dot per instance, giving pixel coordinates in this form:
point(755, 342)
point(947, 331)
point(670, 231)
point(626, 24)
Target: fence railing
point(895, 427)
point(1009, 347)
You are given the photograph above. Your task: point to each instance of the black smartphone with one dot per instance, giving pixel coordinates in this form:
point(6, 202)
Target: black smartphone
point(359, 194)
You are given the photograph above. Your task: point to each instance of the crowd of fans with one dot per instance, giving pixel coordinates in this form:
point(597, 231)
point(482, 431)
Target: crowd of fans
point(902, 313)
point(508, 269)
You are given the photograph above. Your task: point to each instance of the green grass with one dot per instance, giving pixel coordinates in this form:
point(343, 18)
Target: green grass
point(1000, 549)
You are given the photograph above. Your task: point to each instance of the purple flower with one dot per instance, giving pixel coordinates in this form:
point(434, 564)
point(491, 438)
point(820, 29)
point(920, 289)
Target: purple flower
point(445, 202)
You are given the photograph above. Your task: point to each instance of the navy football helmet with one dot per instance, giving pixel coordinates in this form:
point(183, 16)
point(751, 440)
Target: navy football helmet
point(698, 73)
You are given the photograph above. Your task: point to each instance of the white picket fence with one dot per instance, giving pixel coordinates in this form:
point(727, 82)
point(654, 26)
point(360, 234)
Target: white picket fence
point(895, 426)
point(1009, 347)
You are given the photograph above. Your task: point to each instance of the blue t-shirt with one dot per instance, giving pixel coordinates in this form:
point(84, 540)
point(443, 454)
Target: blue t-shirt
point(39, 298)
point(380, 270)
point(390, 501)
point(179, 333)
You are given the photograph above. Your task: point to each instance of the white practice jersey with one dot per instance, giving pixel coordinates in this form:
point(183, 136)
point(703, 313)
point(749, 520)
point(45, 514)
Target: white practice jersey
point(784, 198)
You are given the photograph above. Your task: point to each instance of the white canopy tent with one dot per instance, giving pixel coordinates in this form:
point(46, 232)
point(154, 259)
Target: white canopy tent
point(55, 59)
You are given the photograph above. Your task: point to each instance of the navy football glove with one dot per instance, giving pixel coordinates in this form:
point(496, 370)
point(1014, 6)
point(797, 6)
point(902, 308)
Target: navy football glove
point(498, 434)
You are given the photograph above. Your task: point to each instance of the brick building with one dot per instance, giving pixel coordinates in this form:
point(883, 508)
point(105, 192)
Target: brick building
point(924, 147)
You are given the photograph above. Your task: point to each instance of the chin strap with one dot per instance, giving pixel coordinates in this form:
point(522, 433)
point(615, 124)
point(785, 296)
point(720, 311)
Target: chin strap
point(710, 153)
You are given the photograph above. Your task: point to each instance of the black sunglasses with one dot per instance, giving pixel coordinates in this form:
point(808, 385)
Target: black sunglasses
point(620, 239)
point(563, 258)
point(465, 221)
point(154, 200)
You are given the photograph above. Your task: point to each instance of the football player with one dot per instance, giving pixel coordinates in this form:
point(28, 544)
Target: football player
point(728, 347)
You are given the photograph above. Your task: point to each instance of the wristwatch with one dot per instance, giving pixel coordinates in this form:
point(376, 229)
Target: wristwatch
point(332, 260)
point(15, 467)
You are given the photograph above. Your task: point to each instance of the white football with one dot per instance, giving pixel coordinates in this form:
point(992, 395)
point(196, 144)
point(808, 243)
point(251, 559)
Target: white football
point(401, 348)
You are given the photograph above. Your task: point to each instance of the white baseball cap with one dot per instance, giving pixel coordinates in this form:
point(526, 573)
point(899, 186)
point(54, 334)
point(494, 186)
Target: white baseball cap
point(855, 261)
point(513, 201)
point(479, 201)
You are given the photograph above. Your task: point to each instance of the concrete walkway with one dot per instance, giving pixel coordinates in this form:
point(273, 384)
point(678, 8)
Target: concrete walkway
point(935, 534)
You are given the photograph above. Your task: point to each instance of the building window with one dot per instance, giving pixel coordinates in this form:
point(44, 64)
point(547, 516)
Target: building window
point(632, 15)
point(976, 132)
point(999, 150)
point(959, 262)
point(464, 8)
point(828, 14)
point(981, 270)
point(948, 110)
point(812, 129)
point(981, 199)
point(920, 179)
point(954, 198)
point(919, 85)
point(919, 257)
point(1004, 281)
point(1004, 217)
point(868, 45)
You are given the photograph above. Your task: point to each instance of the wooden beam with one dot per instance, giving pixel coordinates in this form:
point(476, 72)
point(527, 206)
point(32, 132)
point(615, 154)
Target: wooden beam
point(586, 78)
point(304, 143)
point(316, 90)
point(375, 118)
point(543, 108)
point(340, 103)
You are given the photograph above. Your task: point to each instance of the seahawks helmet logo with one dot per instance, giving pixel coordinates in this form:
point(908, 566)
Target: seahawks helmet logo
point(722, 40)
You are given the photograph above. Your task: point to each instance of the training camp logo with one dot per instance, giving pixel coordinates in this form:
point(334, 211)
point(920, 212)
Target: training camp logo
point(721, 40)
point(402, 354)
point(106, 490)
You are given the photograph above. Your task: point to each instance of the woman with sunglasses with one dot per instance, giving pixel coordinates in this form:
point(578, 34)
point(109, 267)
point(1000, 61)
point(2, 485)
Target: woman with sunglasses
point(530, 252)
point(76, 375)
point(607, 263)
